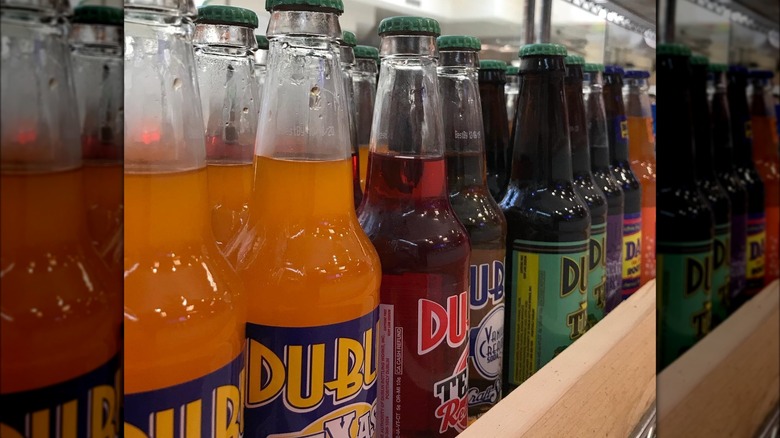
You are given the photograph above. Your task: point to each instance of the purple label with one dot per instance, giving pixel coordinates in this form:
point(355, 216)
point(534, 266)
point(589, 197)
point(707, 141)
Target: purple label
point(738, 255)
point(614, 261)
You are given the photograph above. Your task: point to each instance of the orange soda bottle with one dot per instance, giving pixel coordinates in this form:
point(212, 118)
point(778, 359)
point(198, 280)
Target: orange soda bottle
point(224, 39)
point(96, 39)
point(184, 305)
point(311, 273)
point(61, 311)
point(641, 151)
point(765, 152)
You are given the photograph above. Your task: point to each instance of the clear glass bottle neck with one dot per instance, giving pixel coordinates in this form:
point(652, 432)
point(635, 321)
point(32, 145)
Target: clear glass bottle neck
point(637, 101)
point(261, 57)
point(99, 40)
point(407, 118)
point(366, 67)
point(224, 37)
point(297, 25)
point(347, 57)
point(38, 105)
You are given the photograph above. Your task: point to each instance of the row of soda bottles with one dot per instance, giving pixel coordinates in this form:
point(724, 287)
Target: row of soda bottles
point(388, 323)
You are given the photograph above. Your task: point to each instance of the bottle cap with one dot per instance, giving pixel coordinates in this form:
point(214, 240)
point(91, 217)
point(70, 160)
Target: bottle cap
point(699, 60)
point(349, 38)
point(367, 52)
point(736, 68)
point(673, 49)
point(717, 68)
point(574, 60)
point(333, 5)
point(761, 74)
point(492, 64)
point(228, 15)
point(613, 69)
point(262, 42)
point(542, 49)
point(512, 70)
point(94, 14)
point(409, 26)
point(591, 67)
point(459, 42)
point(637, 74)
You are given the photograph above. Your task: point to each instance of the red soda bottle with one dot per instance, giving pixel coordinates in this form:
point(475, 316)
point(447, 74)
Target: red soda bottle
point(423, 247)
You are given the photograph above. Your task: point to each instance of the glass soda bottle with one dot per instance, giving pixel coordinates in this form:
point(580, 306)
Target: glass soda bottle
point(96, 40)
point(184, 305)
point(260, 68)
point(730, 180)
point(742, 139)
point(347, 43)
point(498, 152)
point(478, 212)
point(61, 308)
point(424, 249)
point(641, 152)
point(604, 180)
point(767, 163)
point(548, 224)
point(713, 192)
point(685, 221)
point(585, 186)
point(510, 92)
point(364, 85)
point(617, 129)
point(312, 275)
point(224, 40)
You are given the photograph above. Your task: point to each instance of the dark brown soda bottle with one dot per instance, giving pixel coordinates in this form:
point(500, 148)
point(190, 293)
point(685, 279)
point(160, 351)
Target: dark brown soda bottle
point(588, 190)
point(617, 128)
point(422, 338)
point(685, 221)
point(742, 139)
point(498, 152)
point(347, 57)
point(479, 213)
point(730, 180)
point(711, 189)
point(548, 224)
point(605, 180)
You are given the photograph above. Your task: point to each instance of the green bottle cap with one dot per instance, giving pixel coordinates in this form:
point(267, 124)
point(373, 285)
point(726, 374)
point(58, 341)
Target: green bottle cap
point(590, 67)
point(542, 49)
point(262, 42)
point(574, 60)
point(349, 38)
point(93, 14)
point(367, 52)
point(717, 68)
point(672, 49)
point(333, 5)
point(699, 60)
point(492, 64)
point(459, 42)
point(229, 15)
point(512, 70)
point(409, 26)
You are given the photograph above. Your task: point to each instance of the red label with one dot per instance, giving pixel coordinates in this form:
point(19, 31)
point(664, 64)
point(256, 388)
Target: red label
point(437, 322)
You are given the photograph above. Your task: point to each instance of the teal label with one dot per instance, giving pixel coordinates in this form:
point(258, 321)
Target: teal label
point(597, 273)
point(549, 311)
point(721, 275)
point(684, 301)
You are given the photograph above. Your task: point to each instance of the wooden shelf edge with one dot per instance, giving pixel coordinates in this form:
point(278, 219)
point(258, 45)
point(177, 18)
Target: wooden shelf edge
point(728, 382)
point(601, 385)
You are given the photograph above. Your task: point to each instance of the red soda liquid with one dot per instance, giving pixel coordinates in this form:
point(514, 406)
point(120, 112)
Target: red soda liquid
point(423, 335)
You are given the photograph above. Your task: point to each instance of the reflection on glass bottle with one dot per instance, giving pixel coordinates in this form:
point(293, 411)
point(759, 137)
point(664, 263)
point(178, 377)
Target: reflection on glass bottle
point(364, 84)
point(347, 45)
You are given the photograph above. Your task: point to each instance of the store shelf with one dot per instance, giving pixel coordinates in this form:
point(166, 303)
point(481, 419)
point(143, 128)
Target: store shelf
point(602, 385)
point(727, 384)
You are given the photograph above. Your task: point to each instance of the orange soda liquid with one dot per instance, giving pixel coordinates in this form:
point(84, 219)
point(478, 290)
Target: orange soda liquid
point(61, 309)
point(230, 186)
point(183, 304)
point(765, 151)
point(313, 267)
point(103, 200)
point(641, 147)
point(363, 157)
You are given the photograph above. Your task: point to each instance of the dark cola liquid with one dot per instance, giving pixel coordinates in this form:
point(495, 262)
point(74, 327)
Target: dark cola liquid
point(423, 328)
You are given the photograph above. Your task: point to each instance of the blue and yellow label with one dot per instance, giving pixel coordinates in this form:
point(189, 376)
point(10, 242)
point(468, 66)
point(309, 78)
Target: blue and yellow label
point(209, 406)
point(684, 300)
point(87, 406)
point(597, 273)
point(632, 252)
point(549, 303)
point(312, 381)
point(756, 236)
